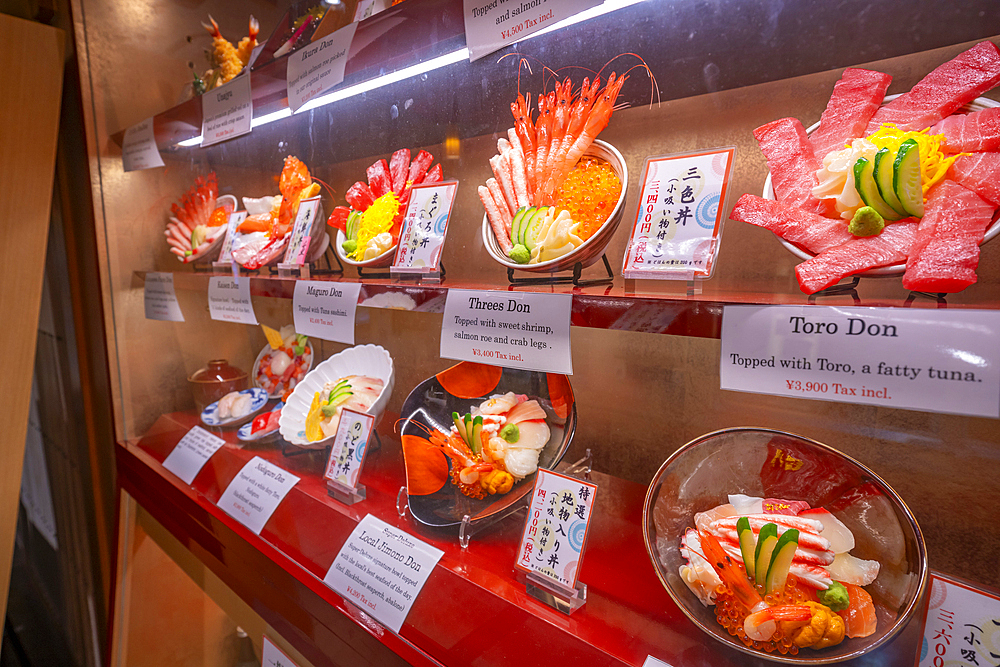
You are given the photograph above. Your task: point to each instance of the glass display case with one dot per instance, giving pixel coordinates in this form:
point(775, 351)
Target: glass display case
point(645, 353)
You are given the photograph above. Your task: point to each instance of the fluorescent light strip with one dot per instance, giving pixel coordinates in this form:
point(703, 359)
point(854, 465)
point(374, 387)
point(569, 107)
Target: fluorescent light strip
point(422, 68)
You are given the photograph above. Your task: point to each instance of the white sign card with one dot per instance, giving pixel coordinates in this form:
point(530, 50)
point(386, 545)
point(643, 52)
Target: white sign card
point(139, 149)
point(933, 360)
point(272, 656)
point(226, 111)
point(555, 533)
point(513, 329)
point(961, 625)
point(350, 445)
point(425, 226)
point(236, 219)
point(159, 298)
point(679, 219)
point(326, 310)
point(654, 662)
point(318, 67)
point(381, 569)
point(493, 24)
point(298, 242)
point(191, 453)
point(256, 492)
point(229, 300)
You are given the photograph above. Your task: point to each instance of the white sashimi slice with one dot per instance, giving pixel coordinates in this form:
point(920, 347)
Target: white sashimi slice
point(698, 574)
point(533, 435)
point(521, 462)
point(241, 406)
point(703, 519)
point(840, 536)
point(226, 403)
point(851, 570)
point(498, 405)
point(525, 411)
point(746, 504)
point(248, 245)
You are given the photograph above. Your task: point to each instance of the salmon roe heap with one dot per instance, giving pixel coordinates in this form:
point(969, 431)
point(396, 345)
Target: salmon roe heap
point(590, 193)
point(730, 613)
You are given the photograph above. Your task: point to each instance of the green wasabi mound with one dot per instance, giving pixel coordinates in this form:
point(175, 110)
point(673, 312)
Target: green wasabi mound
point(519, 254)
point(349, 247)
point(866, 222)
point(510, 433)
point(835, 597)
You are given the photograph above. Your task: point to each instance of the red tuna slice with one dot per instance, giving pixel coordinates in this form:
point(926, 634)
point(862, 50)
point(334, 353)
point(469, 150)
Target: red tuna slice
point(977, 131)
point(399, 167)
point(359, 196)
point(956, 82)
point(945, 252)
point(792, 163)
point(980, 173)
point(812, 231)
point(857, 255)
point(856, 97)
point(419, 167)
point(435, 175)
point(378, 178)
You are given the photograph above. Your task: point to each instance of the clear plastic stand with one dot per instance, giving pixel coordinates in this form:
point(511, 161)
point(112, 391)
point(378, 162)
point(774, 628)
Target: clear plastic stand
point(402, 502)
point(291, 270)
point(582, 467)
point(345, 494)
point(559, 597)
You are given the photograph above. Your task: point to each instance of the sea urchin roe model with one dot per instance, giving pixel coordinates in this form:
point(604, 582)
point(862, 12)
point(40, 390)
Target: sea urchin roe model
point(590, 193)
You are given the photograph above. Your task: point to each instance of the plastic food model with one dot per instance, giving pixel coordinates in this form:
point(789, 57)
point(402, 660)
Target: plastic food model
point(234, 405)
point(544, 200)
point(267, 229)
point(908, 182)
point(494, 445)
point(283, 363)
point(779, 574)
point(372, 224)
point(197, 222)
point(354, 392)
point(227, 60)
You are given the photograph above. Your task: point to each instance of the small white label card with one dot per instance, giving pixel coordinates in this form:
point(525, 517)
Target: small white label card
point(349, 447)
point(236, 219)
point(961, 625)
point(229, 300)
point(226, 111)
point(425, 226)
point(298, 243)
point(555, 532)
point(160, 299)
point(513, 329)
point(191, 453)
point(381, 569)
point(326, 310)
point(679, 220)
point(493, 24)
point(654, 662)
point(272, 656)
point(933, 360)
point(139, 147)
point(256, 492)
point(318, 67)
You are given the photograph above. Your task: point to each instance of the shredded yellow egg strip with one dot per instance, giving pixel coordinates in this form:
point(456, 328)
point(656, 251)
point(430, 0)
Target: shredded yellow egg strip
point(933, 163)
point(377, 219)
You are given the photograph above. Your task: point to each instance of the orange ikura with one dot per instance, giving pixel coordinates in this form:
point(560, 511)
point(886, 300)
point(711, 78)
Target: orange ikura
point(589, 193)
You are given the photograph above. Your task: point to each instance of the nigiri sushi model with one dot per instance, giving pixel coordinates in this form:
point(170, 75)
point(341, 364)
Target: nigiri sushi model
point(910, 184)
point(283, 362)
point(779, 574)
point(354, 392)
point(494, 445)
point(234, 408)
point(198, 222)
point(372, 224)
point(266, 231)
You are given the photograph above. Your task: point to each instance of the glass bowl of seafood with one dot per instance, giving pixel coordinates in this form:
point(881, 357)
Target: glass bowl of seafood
point(473, 437)
point(359, 378)
point(542, 234)
point(782, 547)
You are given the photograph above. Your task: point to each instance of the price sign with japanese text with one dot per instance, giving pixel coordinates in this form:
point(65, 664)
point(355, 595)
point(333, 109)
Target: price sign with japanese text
point(679, 220)
point(349, 447)
point(961, 625)
point(298, 244)
point(425, 226)
point(555, 533)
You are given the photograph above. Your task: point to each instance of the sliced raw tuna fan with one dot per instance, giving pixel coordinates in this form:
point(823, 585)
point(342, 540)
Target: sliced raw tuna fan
point(857, 255)
point(793, 164)
point(943, 91)
point(977, 131)
point(812, 231)
point(856, 97)
point(979, 173)
point(945, 251)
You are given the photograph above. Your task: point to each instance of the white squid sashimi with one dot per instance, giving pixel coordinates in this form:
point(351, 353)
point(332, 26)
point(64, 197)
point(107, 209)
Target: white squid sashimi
point(698, 574)
point(498, 405)
point(533, 435)
point(746, 504)
point(703, 519)
point(850, 570)
point(840, 536)
point(521, 462)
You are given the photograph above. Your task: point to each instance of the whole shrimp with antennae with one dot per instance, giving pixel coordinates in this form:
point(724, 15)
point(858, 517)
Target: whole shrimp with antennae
point(524, 128)
point(543, 134)
point(578, 115)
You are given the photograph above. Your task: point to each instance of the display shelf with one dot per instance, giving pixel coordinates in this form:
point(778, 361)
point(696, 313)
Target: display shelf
point(473, 610)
